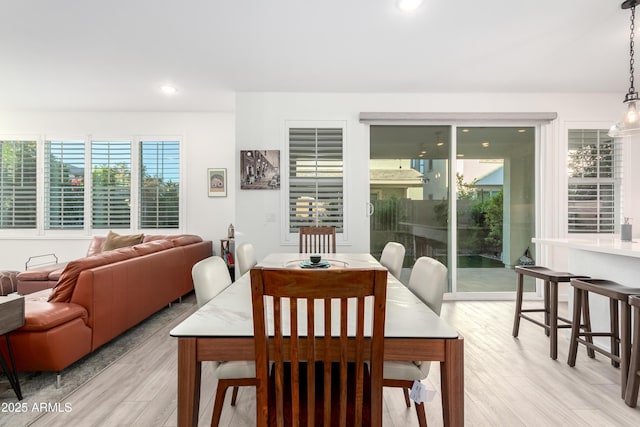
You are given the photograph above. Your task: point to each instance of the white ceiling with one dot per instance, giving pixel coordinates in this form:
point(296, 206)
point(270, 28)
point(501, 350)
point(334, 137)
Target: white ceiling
point(112, 55)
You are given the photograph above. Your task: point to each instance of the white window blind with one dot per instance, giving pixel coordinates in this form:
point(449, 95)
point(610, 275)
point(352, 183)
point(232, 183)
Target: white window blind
point(111, 184)
point(18, 184)
point(316, 178)
point(592, 181)
point(159, 184)
point(64, 184)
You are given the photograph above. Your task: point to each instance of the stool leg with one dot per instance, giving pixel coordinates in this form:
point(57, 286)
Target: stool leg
point(547, 310)
point(586, 317)
point(575, 326)
point(615, 330)
point(516, 318)
point(633, 380)
point(625, 343)
point(553, 321)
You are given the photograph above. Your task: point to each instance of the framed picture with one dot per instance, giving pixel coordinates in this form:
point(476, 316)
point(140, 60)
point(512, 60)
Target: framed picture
point(260, 169)
point(217, 182)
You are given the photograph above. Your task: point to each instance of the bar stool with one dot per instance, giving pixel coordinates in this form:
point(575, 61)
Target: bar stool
point(551, 279)
point(620, 335)
point(633, 380)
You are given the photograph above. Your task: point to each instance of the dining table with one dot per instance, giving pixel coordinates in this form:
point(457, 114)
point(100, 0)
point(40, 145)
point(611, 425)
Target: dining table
point(222, 330)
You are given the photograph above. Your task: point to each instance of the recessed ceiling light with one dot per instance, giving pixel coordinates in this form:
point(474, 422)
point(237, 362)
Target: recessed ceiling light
point(465, 130)
point(440, 144)
point(168, 90)
point(485, 144)
point(409, 5)
point(522, 130)
point(460, 155)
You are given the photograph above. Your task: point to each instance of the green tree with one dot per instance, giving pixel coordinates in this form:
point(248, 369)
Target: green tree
point(493, 213)
point(465, 190)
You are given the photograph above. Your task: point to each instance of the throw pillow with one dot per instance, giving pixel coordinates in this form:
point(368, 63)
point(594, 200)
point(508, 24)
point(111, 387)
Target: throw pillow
point(115, 240)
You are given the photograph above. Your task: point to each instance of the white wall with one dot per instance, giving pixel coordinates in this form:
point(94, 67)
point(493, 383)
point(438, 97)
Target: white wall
point(260, 119)
point(211, 140)
point(208, 142)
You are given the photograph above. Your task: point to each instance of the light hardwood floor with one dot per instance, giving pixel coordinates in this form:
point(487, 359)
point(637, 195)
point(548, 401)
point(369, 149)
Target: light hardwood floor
point(508, 382)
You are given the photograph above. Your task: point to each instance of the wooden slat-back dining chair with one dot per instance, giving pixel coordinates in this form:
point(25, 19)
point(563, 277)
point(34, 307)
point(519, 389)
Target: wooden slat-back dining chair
point(309, 324)
point(318, 240)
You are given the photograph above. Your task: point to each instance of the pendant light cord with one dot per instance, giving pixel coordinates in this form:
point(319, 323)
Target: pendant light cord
point(632, 89)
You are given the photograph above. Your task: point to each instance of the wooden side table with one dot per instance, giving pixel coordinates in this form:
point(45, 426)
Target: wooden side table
point(227, 252)
point(11, 318)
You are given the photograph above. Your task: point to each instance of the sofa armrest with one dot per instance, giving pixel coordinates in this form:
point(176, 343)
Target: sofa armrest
point(42, 315)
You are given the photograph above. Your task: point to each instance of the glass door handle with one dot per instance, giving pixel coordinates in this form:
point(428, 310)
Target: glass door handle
point(370, 208)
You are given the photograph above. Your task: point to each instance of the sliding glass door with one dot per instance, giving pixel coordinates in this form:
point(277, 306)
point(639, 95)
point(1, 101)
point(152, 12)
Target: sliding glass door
point(419, 175)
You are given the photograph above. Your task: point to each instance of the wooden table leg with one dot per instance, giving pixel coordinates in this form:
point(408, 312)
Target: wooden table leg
point(189, 369)
point(452, 383)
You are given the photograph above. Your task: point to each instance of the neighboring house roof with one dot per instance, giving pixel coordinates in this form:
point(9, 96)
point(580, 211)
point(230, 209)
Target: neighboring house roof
point(495, 177)
point(406, 177)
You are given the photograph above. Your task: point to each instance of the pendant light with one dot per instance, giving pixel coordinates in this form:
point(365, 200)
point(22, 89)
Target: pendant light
point(630, 123)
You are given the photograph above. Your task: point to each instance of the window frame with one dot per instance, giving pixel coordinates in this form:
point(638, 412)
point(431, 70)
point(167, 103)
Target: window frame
point(134, 226)
point(616, 181)
point(38, 144)
point(287, 237)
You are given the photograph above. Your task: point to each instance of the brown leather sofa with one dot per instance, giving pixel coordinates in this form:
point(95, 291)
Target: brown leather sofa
point(98, 297)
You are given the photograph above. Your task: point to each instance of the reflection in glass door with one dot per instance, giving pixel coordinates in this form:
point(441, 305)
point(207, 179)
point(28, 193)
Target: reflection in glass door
point(494, 206)
point(409, 191)
point(412, 194)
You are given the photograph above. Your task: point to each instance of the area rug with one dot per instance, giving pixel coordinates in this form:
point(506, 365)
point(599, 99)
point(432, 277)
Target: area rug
point(39, 389)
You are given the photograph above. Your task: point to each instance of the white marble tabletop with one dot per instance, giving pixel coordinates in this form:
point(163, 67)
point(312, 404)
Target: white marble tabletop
point(229, 314)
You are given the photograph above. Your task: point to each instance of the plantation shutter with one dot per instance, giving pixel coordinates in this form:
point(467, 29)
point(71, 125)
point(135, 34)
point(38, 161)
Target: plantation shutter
point(159, 184)
point(111, 184)
point(592, 182)
point(18, 194)
point(64, 184)
point(316, 178)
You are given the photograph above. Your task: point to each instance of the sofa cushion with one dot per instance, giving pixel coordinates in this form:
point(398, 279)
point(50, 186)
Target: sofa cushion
point(95, 247)
point(64, 289)
point(152, 246)
point(185, 239)
point(43, 315)
point(116, 241)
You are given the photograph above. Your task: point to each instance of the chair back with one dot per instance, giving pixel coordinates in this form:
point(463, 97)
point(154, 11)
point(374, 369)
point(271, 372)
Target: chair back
point(318, 240)
point(210, 277)
point(429, 281)
point(392, 257)
point(246, 257)
point(308, 323)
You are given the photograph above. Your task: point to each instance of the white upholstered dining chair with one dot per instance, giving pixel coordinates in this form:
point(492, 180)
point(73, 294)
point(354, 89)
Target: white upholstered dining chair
point(246, 257)
point(392, 258)
point(428, 282)
point(210, 277)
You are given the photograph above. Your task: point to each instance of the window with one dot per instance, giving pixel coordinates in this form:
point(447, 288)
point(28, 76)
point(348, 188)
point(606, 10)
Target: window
point(64, 185)
point(85, 185)
point(160, 184)
point(111, 184)
point(18, 185)
point(316, 177)
point(592, 181)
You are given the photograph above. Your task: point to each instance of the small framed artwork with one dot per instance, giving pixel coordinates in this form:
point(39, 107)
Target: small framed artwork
point(260, 169)
point(217, 182)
